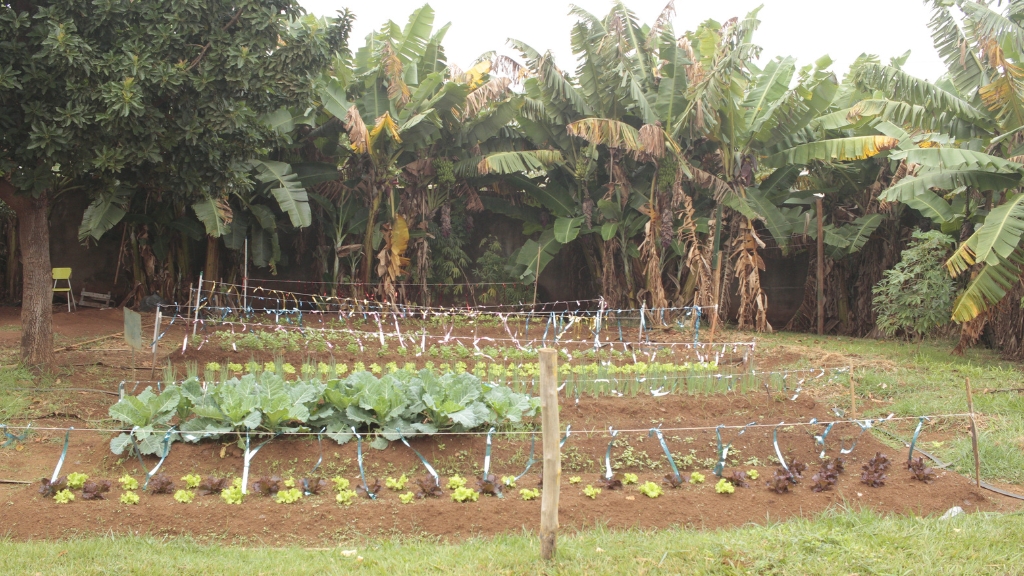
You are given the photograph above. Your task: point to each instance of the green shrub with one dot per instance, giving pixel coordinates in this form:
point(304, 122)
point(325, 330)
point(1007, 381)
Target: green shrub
point(917, 295)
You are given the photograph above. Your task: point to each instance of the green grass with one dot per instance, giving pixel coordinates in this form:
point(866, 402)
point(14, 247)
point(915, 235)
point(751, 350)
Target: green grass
point(14, 402)
point(842, 542)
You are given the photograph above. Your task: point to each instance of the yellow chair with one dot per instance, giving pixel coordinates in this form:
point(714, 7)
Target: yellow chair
point(65, 275)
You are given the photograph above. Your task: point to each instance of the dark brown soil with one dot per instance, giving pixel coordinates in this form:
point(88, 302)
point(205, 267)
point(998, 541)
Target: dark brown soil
point(103, 364)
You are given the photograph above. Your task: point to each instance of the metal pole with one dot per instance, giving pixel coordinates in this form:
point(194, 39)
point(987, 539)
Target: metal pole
point(156, 334)
point(552, 456)
point(821, 269)
point(245, 277)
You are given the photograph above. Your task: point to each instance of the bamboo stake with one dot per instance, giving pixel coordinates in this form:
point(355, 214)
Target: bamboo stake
point(821, 268)
point(853, 396)
point(974, 434)
point(536, 275)
point(552, 456)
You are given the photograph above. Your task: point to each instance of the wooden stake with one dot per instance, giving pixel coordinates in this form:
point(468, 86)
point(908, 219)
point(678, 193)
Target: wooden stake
point(552, 456)
point(199, 293)
point(974, 434)
point(853, 397)
point(821, 268)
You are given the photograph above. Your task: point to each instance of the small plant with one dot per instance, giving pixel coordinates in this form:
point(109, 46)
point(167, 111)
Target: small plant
point(268, 486)
point(95, 489)
point(426, 487)
point(827, 477)
point(724, 487)
point(289, 496)
point(753, 474)
point(184, 496)
point(874, 470)
point(696, 478)
point(398, 484)
point(463, 494)
point(613, 483)
point(340, 483)
point(671, 481)
point(456, 482)
point(128, 483)
point(76, 480)
point(130, 498)
point(345, 497)
point(738, 479)
point(591, 492)
point(233, 494)
point(64, 496)
point(314, 485)
point(575, 480)
point(628, 479)
point(370, 488)
point(212, 486)
point(528, 494)
point(191, 481)
point(921, 471)
point(49, 489)
point(509, 481)
point(780, 481)
point(650, 489)
point(160, 484)
point(407, 497)
point(489, 484)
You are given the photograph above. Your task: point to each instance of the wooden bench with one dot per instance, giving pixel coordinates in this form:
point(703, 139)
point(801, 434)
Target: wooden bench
point(94, 299)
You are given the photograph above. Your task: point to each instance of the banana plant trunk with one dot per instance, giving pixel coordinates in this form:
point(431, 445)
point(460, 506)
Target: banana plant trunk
point(37, 280)
point(371, 221)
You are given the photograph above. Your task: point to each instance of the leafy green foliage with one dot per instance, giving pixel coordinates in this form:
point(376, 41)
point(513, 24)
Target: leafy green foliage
point(456, 482)
point(874, 471)
point(233, 494)
point(130, 498)
point(696, 478)
point(184, 496)
point(396, 484)
point(407, 498)
point(345, 497)
point(128, 483)
point(916, 296)
point(191, 481)
point(591, 492)
point(921, 471)
point(76, 480)
point(724, 487)
point(650, 489)
point(463, 494)
point(95, 489)
point(629, 478)
point(289, 496)
point(529, 493)
point(65, 496)
point(145, 413)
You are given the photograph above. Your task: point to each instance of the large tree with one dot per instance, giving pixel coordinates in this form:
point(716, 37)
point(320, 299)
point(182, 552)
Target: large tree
point(106, 97)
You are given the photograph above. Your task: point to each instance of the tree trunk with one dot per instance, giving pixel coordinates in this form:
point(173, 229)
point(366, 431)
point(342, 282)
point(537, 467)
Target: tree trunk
point(12, 260)
point(37, 280)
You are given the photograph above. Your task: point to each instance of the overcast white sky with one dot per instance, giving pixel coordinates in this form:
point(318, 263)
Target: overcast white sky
point(806, 29)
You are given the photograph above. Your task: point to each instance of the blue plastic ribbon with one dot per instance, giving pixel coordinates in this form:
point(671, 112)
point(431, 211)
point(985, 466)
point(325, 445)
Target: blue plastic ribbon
point(487, 456)
point(920, 422)
point(723, 452)
point(63, 454)
point(248, 459)
point(778, 451)
point(13, 438)
point(359, 457)
point(167, 450)
point(863, 427)
point(430, 469)
point(608, 455)
point(668, 454)
point(819, 439)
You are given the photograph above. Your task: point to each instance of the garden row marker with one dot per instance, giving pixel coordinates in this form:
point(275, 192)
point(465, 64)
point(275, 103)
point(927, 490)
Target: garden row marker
point(359, 459)
point(974, 434)
point(199, 293)
point(430, 469)
point(247, 459)
point(668, 454)
point(156, 335)
point(552, 453)
point(63, 454)
point(913, 441)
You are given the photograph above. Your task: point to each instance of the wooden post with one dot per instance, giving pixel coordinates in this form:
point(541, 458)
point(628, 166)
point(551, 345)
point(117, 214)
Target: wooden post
point(853, 397)
point(552, 455)
point(821, 268)
point(974, 434)
point(156, 334)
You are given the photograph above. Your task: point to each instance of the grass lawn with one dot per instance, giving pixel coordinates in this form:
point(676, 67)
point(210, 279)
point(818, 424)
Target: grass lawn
point(845, 542)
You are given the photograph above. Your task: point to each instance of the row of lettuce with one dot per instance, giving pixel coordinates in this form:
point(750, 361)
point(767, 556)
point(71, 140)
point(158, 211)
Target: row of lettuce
point(403, 403)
